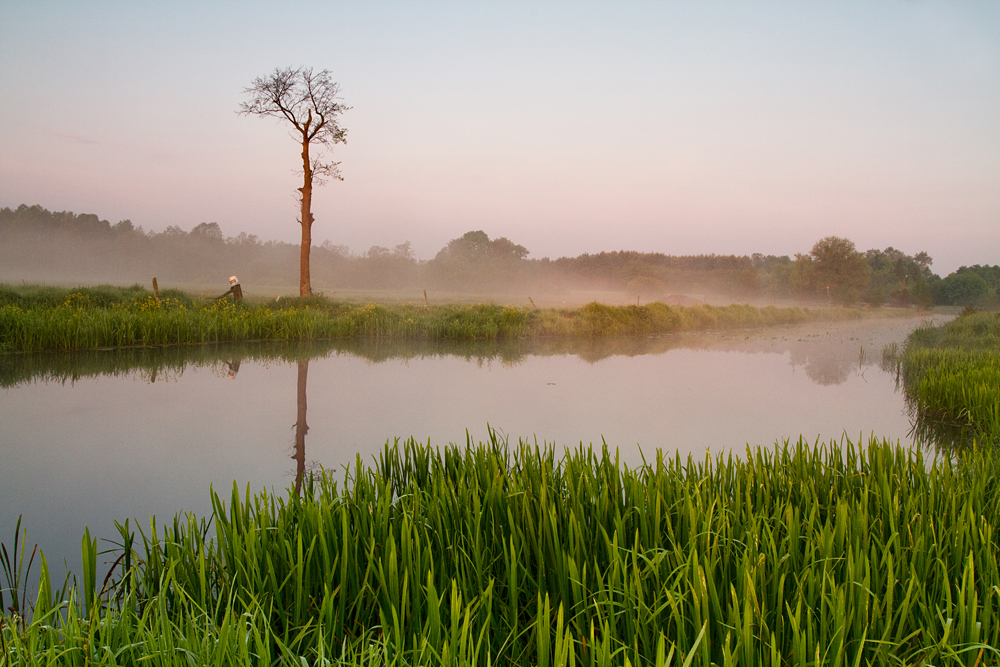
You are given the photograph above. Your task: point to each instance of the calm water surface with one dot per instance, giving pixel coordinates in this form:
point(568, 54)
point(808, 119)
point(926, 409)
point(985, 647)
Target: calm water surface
point(88, 439)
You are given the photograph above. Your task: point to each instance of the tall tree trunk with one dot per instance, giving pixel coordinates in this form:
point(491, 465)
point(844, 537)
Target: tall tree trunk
point(301, 428)
point(305, 286)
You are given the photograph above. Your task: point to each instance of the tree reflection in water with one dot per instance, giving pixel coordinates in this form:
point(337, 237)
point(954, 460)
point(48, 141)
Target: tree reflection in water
point(829, 354)
point(827, 357)
point(301, 428)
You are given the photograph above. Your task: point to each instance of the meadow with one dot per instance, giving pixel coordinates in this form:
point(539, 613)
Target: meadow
point(952, 377)
point(804, 554)
point(36, 318)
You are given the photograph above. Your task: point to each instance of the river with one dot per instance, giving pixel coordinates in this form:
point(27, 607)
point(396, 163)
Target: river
point(91, 438)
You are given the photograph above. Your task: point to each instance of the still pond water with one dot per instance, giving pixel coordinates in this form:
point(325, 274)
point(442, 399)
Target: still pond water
point(90, 438)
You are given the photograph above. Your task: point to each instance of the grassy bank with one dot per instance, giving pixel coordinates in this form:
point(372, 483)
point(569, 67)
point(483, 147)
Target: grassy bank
point(952, 376)
point(489, 555)
point(48, 318)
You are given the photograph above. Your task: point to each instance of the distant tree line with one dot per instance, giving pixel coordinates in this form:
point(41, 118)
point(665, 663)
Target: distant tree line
point(37, 245)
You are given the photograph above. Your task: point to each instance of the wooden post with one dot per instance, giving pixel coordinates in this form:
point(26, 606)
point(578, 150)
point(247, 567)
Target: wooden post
point(156, 291)
point(426, 302)
point(532, 302)
point(235, 289)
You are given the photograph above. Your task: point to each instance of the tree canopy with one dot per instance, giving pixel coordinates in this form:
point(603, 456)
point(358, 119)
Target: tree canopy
point(839, 269)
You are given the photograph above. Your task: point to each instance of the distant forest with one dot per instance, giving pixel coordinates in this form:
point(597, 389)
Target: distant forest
point(37, 245)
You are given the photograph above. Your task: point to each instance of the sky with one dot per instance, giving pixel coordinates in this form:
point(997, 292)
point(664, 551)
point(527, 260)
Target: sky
point(567, 127)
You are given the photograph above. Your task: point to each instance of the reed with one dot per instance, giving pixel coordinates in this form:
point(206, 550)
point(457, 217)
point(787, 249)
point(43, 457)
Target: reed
point(34, 318)
point(101, 296)
point(71, 326)
point(169, 322)
point(596, 319)
point(952, 377)
point(804, 554)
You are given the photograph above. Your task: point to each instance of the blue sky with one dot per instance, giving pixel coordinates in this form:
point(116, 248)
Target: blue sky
point(684, 128)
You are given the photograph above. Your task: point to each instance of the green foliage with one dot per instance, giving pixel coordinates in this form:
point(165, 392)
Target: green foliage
point(15, 579)
point(899, 278)
point(101, 296)
point(76, 325)
point(958, 387)
point(488, 554)
point(33, 319)
point(920, 293)
point(597, 319)
point(963, 289)
point(838, 270)
point(314, 302)
point(991, 274)
point(475, 260)
point(975, 285)
point(875, 295)
point(952, 378)
point(477, 247)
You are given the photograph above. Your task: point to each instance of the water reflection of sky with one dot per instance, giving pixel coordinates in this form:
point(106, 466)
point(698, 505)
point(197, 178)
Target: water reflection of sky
point(107, 447)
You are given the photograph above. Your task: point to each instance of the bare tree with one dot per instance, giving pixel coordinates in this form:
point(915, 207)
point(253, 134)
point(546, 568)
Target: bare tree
point(310, 101)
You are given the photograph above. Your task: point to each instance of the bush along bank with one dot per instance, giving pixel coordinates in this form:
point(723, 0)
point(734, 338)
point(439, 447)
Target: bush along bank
point(92, 318)
point(952, 378)
point(76, 326)
point(835, 554)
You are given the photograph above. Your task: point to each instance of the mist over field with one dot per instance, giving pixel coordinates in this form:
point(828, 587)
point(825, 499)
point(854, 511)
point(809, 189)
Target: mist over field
point(39, 246)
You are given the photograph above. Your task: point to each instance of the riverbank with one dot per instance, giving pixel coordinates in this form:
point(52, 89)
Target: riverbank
point(34, 319)
point(952, 377)
point(489, 554)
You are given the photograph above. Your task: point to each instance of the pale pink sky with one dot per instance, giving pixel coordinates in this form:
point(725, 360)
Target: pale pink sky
point(570, 127)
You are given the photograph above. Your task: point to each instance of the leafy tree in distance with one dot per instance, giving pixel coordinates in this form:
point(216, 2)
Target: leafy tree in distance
point(209, 231)
point(309, 101)
point(471, 245)
point(839, 269)
point(964, 288)
point(990, 274)
point(898, 278)
point(475, 259)
point(475, 246)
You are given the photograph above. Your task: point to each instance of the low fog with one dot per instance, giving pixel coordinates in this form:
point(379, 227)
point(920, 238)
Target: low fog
point(62, 248)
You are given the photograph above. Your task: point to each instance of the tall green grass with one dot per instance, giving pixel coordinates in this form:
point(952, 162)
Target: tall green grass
point(47, 318)
point(100, 296)
point(493, 555)
point(952, 377)
point(170, 322)
point(597, 319)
